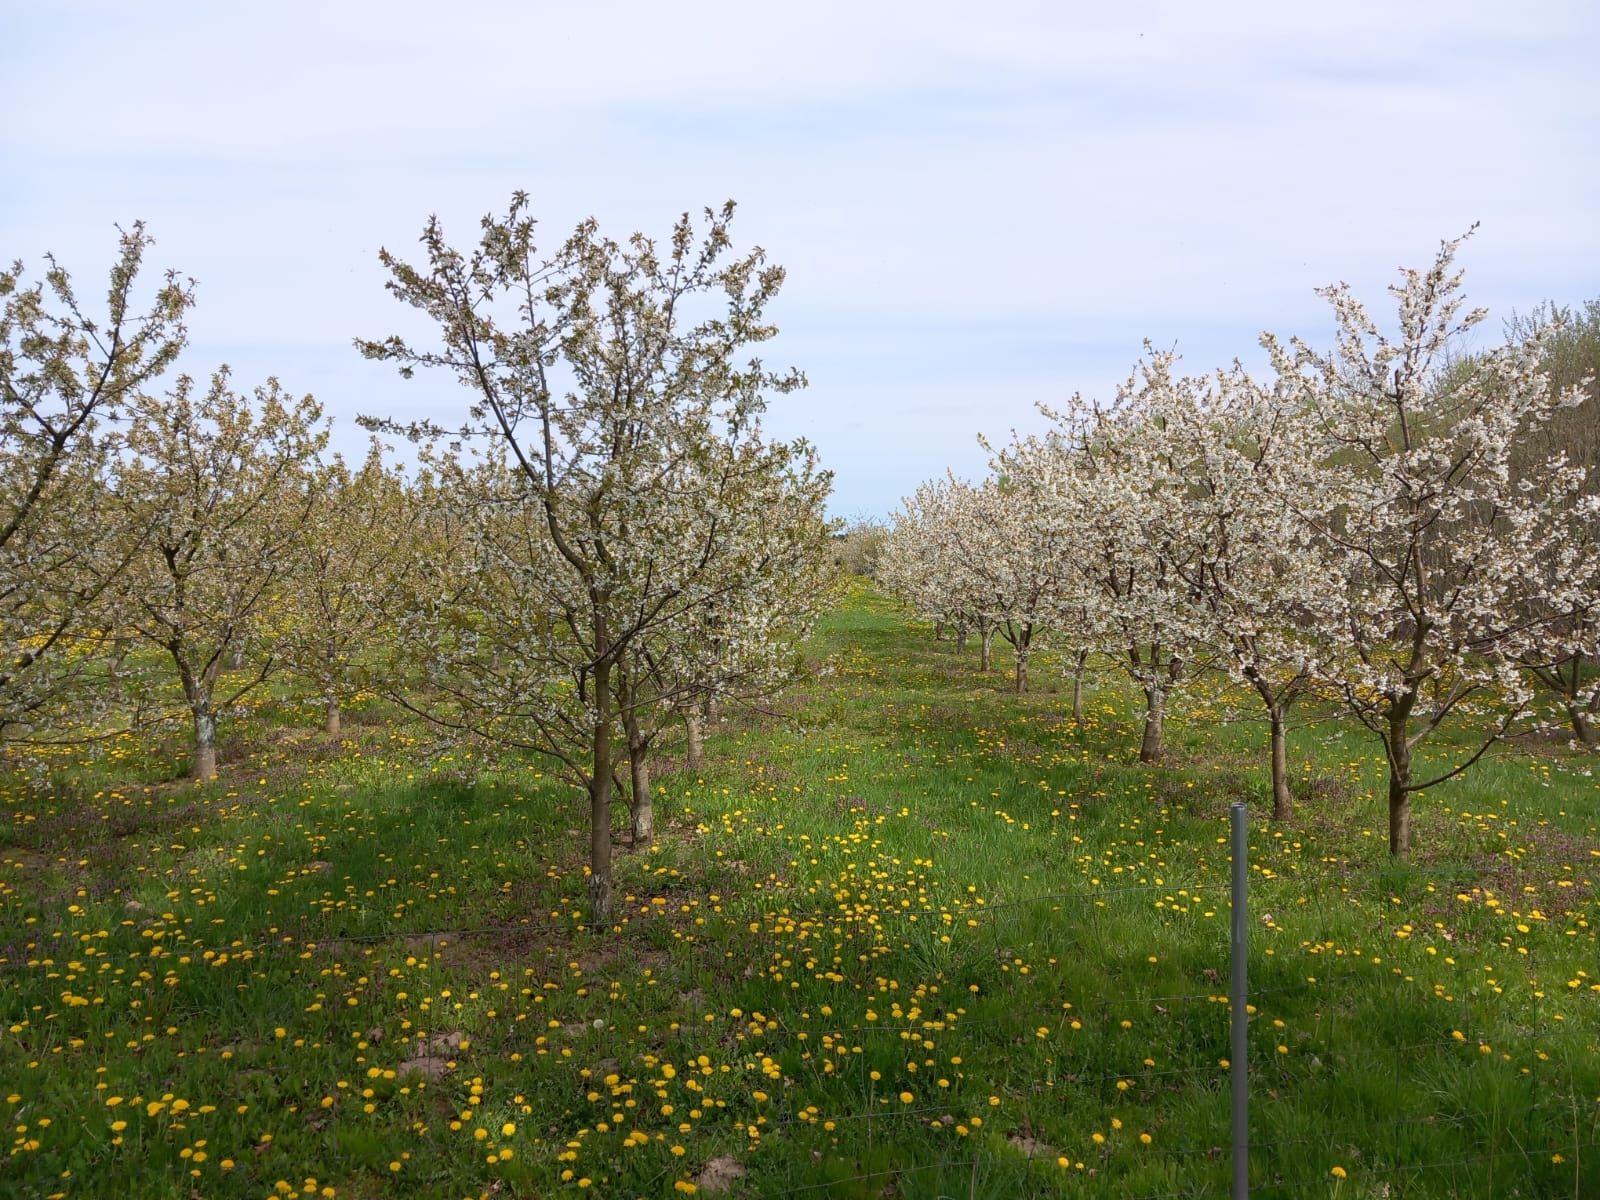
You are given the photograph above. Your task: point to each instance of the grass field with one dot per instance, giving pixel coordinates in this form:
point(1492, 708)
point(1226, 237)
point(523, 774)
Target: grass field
point(919, 938)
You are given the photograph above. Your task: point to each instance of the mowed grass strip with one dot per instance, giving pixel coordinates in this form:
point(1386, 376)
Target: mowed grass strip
point(915, 937)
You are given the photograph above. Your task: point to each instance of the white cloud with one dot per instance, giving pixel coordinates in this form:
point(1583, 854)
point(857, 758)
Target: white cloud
point(979, 206)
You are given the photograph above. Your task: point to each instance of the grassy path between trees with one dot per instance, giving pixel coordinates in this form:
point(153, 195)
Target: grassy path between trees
point(917, 937)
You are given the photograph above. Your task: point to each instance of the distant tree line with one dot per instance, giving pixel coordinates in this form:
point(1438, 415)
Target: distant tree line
point(1389, 525)
point(604, 547)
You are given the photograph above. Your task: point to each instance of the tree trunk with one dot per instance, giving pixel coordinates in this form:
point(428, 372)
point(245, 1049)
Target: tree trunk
point(694, 733)
point(1022, 645)
point(1077, 686)
point(1281, 799)
point(600, 803)
point(641, 809)
point(1584, 727)
point(334, 723)
point(119, 656)
point(1399, 816)
point(205, 741)
point(985, 646)
point(1399, 794)
point(1155, 701)
point(236, 657)
point(938, 631)
point(198, 691)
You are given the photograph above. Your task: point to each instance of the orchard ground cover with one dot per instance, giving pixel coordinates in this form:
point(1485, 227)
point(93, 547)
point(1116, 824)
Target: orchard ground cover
point(915, 936)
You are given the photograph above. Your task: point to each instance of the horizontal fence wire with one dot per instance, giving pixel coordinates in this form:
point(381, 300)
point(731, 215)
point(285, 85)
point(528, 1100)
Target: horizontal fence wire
point(807, 1188)
point(306, 939)
point(1339, 970)
point(1300, 1182)
point(1401, 1168)
point(944, 1114)
point(302, 940)
point(1462, 1122)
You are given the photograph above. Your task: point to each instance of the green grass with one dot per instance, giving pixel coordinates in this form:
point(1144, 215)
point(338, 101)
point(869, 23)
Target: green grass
point(915, 884)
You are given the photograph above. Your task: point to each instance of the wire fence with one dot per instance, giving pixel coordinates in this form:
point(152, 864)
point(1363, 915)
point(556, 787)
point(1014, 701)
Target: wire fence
point(1260, 1159)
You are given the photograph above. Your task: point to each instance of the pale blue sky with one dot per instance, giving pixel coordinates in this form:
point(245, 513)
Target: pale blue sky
point(979, 206)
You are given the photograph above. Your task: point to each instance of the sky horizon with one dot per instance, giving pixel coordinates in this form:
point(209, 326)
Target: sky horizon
point(978, 209)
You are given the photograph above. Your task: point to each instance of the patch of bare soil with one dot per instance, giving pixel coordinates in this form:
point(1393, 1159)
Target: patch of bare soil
point(719, 1175)
point(433, 1057)
point(1031, 1146)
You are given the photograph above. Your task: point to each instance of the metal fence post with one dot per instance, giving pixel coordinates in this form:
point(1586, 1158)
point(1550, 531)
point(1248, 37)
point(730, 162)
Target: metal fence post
point(1239, 999)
